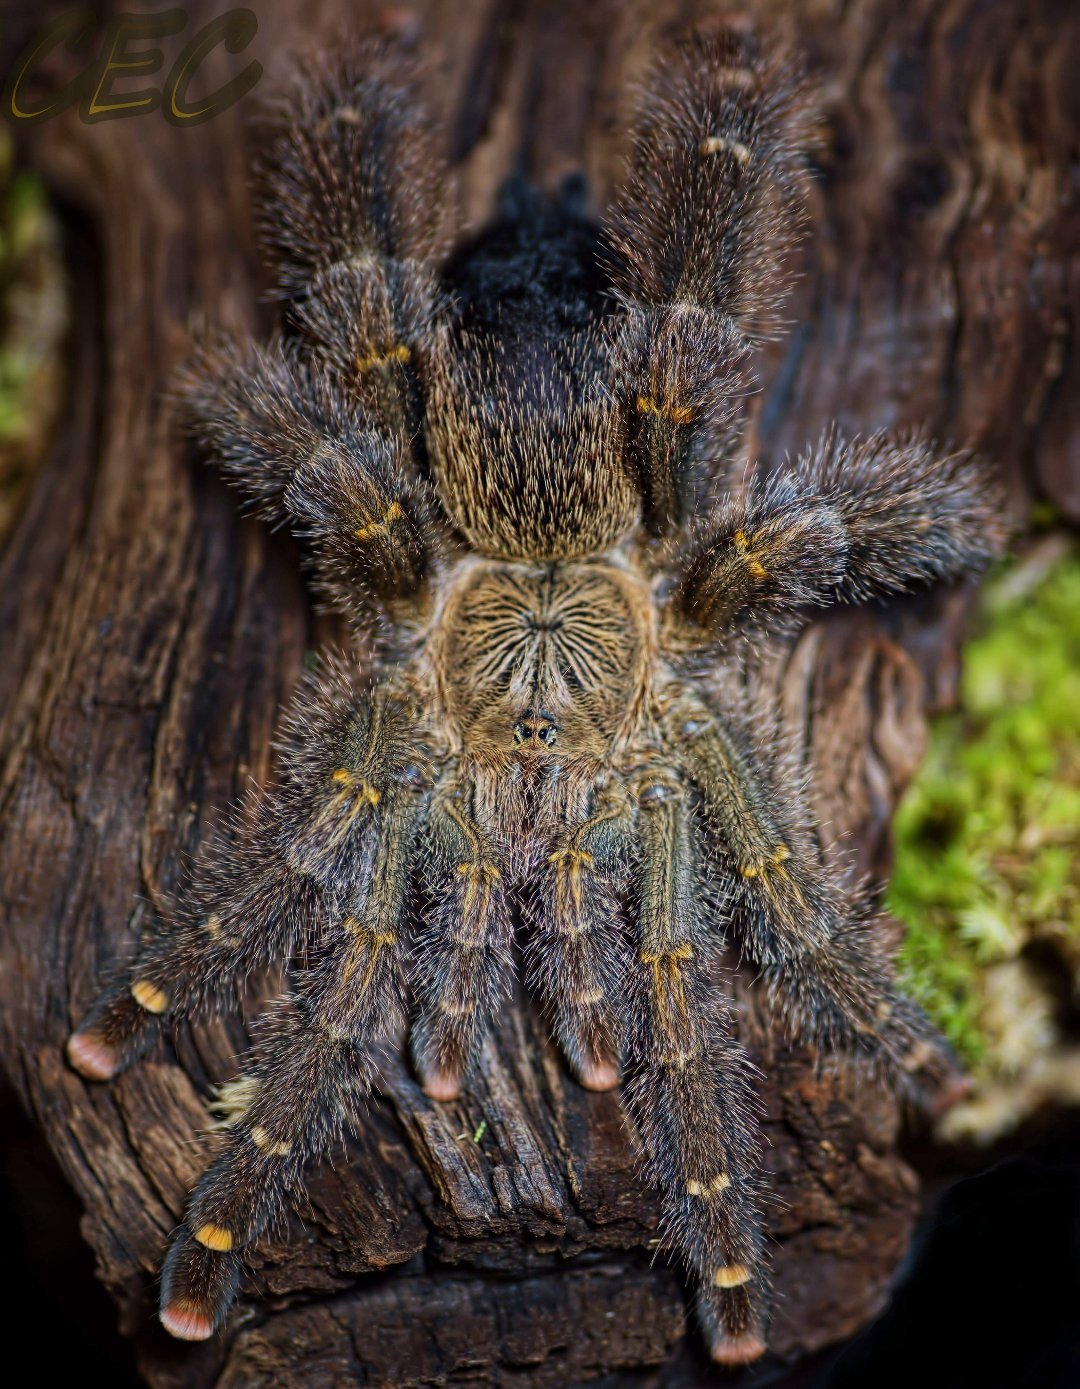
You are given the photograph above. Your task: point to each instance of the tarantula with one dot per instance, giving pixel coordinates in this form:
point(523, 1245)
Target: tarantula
point(509, 460)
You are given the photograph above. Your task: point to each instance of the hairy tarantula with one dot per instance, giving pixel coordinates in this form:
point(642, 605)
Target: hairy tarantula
point(508, 460)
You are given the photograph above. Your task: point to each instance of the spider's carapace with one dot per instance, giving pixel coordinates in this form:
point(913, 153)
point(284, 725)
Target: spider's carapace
point(546, 664)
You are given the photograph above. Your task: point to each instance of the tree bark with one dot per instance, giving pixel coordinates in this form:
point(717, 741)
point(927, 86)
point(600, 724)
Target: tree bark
point(152, 634)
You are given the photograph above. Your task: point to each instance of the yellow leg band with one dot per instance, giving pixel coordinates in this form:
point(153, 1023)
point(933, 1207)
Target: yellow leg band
point(214, 1237)
point(677, 414)
point(263, 1142)
point(719, 1184)
point(398, 353)
point(370, 529)
point(715, 144)
point(149, 996)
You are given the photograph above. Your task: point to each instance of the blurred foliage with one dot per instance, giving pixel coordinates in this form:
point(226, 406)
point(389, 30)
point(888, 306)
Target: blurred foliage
point(23, 209)
point(33, 317)
point(987, 837)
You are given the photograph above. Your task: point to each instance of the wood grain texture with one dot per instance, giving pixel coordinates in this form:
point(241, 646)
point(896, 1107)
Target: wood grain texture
point(152, 634)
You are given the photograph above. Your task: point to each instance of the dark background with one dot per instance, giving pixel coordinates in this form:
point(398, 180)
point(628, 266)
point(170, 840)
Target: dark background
point(988, 1298)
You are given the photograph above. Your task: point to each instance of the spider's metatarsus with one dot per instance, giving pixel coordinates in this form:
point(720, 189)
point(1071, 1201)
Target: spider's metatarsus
point(496, 455)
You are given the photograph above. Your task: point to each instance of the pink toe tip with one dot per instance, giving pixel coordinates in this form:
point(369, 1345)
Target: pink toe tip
point(91, 1057)
point(737, 1350)
point(442, 1085)
point(185, 1322)
point(956, 1088)
point(598, 1075)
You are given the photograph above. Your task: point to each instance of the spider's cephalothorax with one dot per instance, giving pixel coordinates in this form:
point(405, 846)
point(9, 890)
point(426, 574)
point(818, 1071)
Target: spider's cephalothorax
point(545, 665)
point(495, 453)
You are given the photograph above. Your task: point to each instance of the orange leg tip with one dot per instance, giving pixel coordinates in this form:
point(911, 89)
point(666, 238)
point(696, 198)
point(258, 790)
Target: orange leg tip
point(599, 1075)
point(737, 1350)
point(442, 1085)
point(185, 1321)
point(91, 1057)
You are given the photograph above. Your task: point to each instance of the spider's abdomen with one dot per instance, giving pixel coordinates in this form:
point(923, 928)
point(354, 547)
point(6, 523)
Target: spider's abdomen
point(545, 662)
point(525, 446)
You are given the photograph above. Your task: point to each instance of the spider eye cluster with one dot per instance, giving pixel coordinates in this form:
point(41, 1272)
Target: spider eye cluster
point(537, 727)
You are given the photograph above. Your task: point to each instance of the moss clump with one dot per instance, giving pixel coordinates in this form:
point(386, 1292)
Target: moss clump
point(22, 213)
point(988, 833)
point(33, 318)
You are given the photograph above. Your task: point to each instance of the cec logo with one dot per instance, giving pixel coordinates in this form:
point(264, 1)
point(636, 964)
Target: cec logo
point(98, 89)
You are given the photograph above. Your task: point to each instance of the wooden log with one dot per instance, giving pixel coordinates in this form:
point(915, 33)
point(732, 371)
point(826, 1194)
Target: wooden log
point(152, 634)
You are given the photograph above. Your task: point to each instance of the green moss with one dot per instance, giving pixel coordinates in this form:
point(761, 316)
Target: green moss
point(23, 218)
point(33, 319)
point(988, 834)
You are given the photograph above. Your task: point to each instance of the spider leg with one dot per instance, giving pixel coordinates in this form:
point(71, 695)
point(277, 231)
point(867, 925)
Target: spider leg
point(303, 452)
point(849, 521)
point(243, 915)
point(353, 215)
point(464, 952)
point(700, 231)
point(270, 897)
point(822, 958)
point(312, 1066)
point(691, 1086)
point(325, 431)
point(576, 954)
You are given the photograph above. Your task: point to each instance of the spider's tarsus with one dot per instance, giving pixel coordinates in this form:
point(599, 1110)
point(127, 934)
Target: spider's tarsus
point(197, 1288)
point(954, 1090)
point(117, 1031)
point(185, 1322)
point(937, 1085)
point(736, 1350)
point(443, 1086)
point(93, 1058)
point(598, 1074)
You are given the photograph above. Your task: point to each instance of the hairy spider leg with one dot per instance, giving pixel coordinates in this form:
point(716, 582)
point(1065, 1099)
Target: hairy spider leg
point(250, 908)
point(577, 956)
point(463, 956)
point(326, 431)
point(306, 453)
point(824, 961)
point(700, 232)
point(266, 893)
point(354, 212)
point(849, 521)
point(691, 1086)
point(313, 1064)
